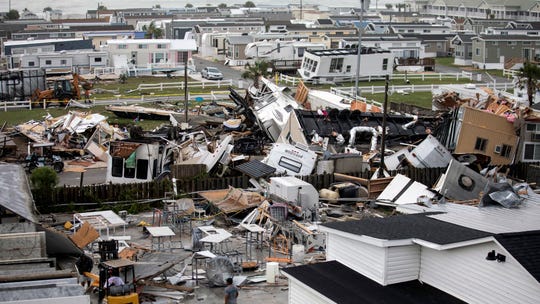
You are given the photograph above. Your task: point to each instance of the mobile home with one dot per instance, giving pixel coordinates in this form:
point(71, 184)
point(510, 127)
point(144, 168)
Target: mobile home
point(339, 65)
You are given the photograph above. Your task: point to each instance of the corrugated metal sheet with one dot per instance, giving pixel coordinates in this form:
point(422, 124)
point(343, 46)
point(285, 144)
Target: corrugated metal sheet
point(16, 195)
point(490, 219)
point(360, 257)
point(466, 274)
point(300, 293)
point(402, 264)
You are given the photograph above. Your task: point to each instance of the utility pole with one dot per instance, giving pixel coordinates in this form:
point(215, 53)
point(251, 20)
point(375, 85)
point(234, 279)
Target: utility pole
point(186, 106)
point(383, 136)
point(356, 93)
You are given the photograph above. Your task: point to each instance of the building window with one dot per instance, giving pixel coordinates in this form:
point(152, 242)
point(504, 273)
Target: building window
point(336, 64)
point(97, 59)
point(480, 144)
point(142, 168)
point(348, 69)
point(63, 62)
point(117, 166)
point(31, 63)
point(314, 67)
point(532, 152)
point(143, 46)
point(122, 46)
point(48, 62)
point(477, 51)
point(512, 43)
point(385, 64)
point(161, 46)
point(505, 151)
point(533, 127)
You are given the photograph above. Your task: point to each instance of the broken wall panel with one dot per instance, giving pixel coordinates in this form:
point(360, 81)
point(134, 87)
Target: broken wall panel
point(461, 183)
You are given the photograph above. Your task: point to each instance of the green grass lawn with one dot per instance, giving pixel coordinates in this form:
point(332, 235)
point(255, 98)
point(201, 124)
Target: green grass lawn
point(13, 118)
point(421, 99)
point(446, 61)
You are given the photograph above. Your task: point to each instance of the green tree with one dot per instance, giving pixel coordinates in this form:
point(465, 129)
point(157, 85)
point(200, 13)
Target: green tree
point(222, 5)
point(47, 9)
point(43, 181)
point(256, 71)
point(102, 8)
point(157, 6)
point(529, 78)
point(189, 5)
point(400, 6)
point(249, 4)
point(388, 6)
point(13, 15)
point(152, 32)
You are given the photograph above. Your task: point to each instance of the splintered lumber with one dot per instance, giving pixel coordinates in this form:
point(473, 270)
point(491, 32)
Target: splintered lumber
point(301, 226)
point(169, 286)
point(348, 178)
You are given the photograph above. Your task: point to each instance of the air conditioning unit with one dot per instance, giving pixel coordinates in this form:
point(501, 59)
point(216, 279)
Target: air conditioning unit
point(498, 149)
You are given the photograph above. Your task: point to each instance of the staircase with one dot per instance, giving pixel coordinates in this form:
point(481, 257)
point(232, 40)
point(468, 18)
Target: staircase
point(510, 63)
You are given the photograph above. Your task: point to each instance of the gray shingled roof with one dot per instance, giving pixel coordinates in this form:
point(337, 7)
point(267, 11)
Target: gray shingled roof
point(343, 285)
point(403, 227)
point(525, 248)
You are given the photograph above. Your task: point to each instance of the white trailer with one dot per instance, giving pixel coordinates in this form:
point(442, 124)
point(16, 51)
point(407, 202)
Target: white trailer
point(339, 65)
point(280, 50)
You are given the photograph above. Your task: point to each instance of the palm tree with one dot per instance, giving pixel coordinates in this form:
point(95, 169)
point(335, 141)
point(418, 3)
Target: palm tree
point(529, 77)
point(259, 69)
point(152, 32)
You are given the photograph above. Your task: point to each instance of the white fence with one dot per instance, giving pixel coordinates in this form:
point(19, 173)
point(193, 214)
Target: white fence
point(410, 88)
point(291, 80)
point(510, 73)
point(180, 85)
point(10, 105)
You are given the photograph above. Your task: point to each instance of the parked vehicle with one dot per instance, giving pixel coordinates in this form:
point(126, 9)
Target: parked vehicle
point(211, 73)
point(34, 161)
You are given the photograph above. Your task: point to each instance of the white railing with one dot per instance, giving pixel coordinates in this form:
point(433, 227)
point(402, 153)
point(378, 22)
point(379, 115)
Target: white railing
point(510, 73)
point(21, 104)
point(291, 80)
point(180, 85)
point(349, 92)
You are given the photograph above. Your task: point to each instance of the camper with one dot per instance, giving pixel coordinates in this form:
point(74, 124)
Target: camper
point(138, 161)
point(148, 158)
point(291, 159)
point(280, 50)
point(339, 65)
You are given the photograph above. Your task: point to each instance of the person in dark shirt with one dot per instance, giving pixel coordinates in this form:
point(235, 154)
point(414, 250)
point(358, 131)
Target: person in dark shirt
point(84, 264)
point(231, 292)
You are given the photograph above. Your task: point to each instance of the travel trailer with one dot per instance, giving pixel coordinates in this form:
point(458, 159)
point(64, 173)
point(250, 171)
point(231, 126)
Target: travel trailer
point(291, 159)
point(148, 158)
point(280, 50)
point(339, 65)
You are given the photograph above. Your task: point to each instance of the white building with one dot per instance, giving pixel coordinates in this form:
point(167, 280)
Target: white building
point(65, 61)
point(151, 55)
point(459, 253)
point(280, 50)
point(338, 65)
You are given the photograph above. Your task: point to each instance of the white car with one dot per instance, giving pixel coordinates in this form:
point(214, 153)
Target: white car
point(211, 73)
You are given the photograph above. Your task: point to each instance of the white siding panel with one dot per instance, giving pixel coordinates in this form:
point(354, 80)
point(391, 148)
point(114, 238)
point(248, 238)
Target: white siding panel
point(300, 293)
point(402, 264)
point(466, 274)
point(360, 257)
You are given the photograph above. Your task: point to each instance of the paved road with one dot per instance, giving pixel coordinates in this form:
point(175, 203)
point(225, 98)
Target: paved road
point(90, 177)
point(228, 72)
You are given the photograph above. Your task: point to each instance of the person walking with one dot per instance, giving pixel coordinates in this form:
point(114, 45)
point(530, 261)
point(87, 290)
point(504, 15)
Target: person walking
point(231, 292)
point(84, 264)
